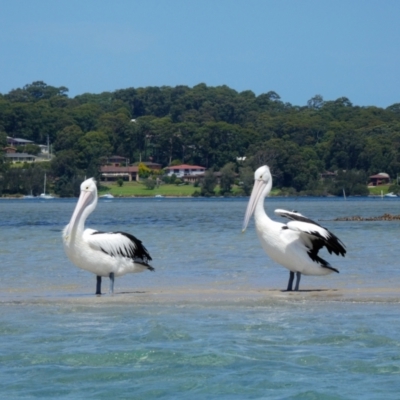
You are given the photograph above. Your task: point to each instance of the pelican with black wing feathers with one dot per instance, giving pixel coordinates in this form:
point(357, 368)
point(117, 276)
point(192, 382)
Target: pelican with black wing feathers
point(106, 254)
point(294, 245)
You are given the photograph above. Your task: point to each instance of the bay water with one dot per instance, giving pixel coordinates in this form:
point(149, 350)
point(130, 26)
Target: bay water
point(213, 320)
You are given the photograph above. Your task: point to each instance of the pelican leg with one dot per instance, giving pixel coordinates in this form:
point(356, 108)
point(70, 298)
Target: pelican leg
point(298, 276)
point(98, 285)
point(111, 282)
point(290, 283)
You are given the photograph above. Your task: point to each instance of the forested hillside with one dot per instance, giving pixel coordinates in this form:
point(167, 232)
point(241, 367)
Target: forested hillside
point(208, 126)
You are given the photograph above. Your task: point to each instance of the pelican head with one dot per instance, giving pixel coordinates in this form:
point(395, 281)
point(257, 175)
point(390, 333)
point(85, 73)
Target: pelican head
point(86, 204)
point(262, 187)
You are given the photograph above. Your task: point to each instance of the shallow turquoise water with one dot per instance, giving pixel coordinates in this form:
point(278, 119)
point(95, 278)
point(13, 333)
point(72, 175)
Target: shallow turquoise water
point(54, 344)
point(302, 351)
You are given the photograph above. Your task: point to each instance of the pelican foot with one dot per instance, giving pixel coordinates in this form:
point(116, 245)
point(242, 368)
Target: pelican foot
point(111, 283)
point(298, 276)
point(98, 285)
point(290, 283)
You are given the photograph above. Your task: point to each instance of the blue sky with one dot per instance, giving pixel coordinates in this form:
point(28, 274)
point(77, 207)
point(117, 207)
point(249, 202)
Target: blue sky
point(297, 48)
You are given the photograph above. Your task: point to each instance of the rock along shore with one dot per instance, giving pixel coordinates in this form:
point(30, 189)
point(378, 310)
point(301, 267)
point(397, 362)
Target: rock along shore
point(384, 217)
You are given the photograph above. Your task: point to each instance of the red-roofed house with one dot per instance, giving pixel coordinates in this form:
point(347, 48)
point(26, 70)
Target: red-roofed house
point(379, 179)
point(112, 172)
point(151, 165)
point(117, 161)
point(184, 169)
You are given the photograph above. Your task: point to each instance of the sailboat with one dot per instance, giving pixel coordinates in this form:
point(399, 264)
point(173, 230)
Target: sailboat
point(44, 195)
point(106, 196)
point(29, 196)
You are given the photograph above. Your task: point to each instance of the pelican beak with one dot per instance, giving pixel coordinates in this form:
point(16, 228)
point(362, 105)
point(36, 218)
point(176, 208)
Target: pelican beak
point(85, 199)
point(256, 193)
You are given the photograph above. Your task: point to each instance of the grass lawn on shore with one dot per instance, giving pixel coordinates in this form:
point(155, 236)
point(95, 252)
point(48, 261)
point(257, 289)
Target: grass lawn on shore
point(378, 190)
point(129, 189)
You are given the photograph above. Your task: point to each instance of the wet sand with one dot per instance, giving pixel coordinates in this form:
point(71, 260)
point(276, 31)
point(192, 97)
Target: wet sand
point(201, 296)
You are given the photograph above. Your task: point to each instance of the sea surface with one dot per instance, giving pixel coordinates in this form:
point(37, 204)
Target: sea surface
point(213, 321)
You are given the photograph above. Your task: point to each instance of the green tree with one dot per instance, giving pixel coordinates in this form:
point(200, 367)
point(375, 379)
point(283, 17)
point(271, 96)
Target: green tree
point(87, 116)
point(30, 149)
point(3, 139)
point(208, 183)
point(246, 175)
point(172, 179)
point(227, 178)
point(68, 138)
point(68, 187)
point(352, 182)
point(36, 91)
point(203, 125)
point(93, 147)
point(65, 164)
point(150, 183)
point(144, 171)
point(316, 102)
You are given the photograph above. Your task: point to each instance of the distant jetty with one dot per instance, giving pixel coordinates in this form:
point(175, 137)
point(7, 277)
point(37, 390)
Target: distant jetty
point(384, 217)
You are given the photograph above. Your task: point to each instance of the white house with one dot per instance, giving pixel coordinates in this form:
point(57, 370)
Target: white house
point(19, 157)
point(17, 141)
point(184, 169)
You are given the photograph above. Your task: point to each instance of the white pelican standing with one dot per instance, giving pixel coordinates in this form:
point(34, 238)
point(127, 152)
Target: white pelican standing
point(107, 254)
point(294, 245)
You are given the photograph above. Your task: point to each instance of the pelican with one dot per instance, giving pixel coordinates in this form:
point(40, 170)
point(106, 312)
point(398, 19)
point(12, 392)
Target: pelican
point(294, 245)
point(108, 254)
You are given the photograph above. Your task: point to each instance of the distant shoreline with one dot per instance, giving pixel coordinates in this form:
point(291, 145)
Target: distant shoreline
point(179, 197)
point(201, 197)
